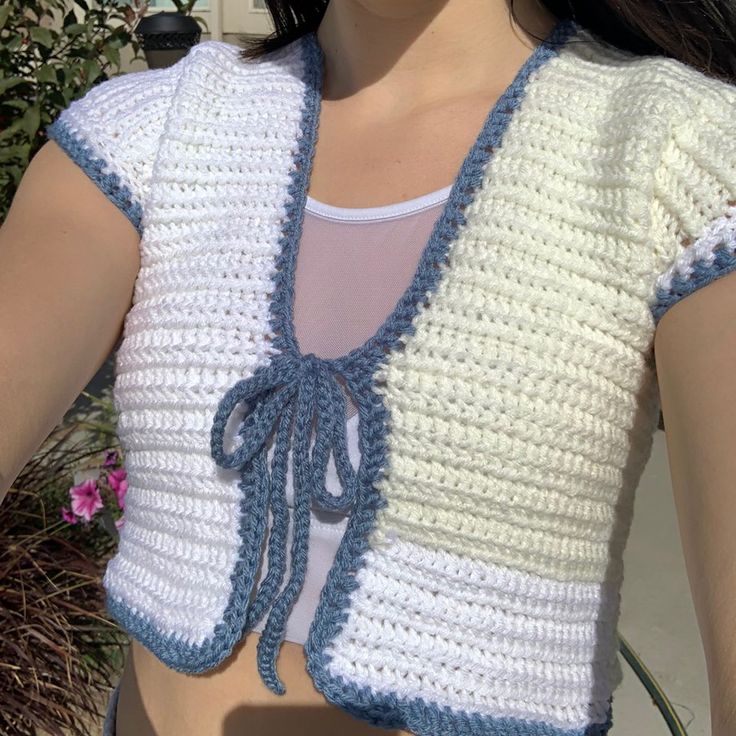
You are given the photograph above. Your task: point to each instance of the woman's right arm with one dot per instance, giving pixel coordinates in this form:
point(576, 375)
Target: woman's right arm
point(68, 263)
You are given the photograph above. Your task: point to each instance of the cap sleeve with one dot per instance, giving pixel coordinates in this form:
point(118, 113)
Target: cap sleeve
point(694, 203)
point(112, 133)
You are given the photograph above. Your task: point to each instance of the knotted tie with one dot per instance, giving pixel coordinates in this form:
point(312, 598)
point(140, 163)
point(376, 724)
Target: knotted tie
point(292, 395)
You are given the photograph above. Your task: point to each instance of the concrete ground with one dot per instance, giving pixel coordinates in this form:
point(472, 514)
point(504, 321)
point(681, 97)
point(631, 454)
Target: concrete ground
point(657, 614)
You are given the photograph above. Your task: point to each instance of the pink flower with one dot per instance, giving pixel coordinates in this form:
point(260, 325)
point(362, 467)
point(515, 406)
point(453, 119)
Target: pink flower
point(119, 523)
point(68, 516)
point(111, 458)
point(119, 484)
point(86, 499)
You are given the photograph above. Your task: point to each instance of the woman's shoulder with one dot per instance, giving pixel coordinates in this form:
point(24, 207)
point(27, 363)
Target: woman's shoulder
point(656, 83)
point(115, 130)
point(692, 93)
point(219, 62)
point(693, 181)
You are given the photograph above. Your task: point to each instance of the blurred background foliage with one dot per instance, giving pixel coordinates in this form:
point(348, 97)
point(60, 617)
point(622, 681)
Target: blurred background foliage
point(52, 52)
point(60, 653)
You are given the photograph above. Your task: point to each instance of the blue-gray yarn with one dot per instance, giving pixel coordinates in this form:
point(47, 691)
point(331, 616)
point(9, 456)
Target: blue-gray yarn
point(702, 273)
point(98, 170)
point(305, 388)
point(280, 511)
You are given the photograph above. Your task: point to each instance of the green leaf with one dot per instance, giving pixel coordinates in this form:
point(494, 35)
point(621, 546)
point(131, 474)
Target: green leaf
point(69, 18)
point(12, 128)
point(111, 54)
point(42, 36)
point(7, 83)
point(202, 21)
point(92, 70)
point(55, 99)
point(46, 73)
point(121, 38)
point(4, 15)
point(74, 29)
point(14, 43)
point(31, 120)
point(8, 153)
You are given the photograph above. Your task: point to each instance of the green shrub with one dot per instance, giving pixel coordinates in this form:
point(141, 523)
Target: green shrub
point(52, 52)
point(59, 651)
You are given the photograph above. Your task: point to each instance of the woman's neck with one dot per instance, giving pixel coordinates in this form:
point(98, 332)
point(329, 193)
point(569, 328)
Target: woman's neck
point(405, 55)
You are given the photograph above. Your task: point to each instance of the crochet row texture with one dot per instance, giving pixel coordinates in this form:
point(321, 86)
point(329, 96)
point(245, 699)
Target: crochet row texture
point(506, 406)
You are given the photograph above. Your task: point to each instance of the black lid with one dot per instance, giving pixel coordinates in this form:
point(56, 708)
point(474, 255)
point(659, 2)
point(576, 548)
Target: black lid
point(167, 22)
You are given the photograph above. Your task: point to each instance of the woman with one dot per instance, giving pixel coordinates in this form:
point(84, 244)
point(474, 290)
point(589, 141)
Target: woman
point(487, 390)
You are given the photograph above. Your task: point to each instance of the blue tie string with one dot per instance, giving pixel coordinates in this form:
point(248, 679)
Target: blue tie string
point(280, 512)
point(293, 396)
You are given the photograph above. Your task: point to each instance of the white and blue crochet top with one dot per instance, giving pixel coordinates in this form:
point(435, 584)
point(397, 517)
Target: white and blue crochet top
point(506, 406)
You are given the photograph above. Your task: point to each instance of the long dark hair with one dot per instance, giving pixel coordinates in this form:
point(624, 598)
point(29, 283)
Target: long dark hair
point(700, 33)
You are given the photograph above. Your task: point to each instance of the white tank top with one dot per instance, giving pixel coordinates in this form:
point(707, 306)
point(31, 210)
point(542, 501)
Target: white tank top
point(352, 266)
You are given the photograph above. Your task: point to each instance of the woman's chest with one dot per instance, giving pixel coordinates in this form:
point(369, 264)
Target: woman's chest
point(363, 159)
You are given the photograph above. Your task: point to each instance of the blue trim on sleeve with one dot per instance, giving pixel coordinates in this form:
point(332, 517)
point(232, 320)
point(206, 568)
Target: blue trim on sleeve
point(98, 170)
point(702, 274)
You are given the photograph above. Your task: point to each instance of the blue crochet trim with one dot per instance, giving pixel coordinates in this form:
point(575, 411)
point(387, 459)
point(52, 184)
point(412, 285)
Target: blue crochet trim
point(98, 170)
point(702, 274)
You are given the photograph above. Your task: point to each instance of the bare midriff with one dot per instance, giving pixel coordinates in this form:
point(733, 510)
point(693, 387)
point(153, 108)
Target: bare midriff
point(230, 699)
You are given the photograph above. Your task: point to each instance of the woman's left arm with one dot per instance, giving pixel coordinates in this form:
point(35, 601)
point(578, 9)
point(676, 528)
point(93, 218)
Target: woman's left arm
point(695, 349)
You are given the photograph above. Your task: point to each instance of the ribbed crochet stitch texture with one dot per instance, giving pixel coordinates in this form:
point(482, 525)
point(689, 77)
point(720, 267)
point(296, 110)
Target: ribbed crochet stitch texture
point(506, 406)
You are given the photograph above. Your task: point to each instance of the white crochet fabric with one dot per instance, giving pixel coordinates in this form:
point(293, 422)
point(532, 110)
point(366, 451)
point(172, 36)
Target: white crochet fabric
point(507, 405)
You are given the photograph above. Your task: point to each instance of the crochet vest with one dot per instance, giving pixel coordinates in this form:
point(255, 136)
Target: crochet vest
point(506, 405)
